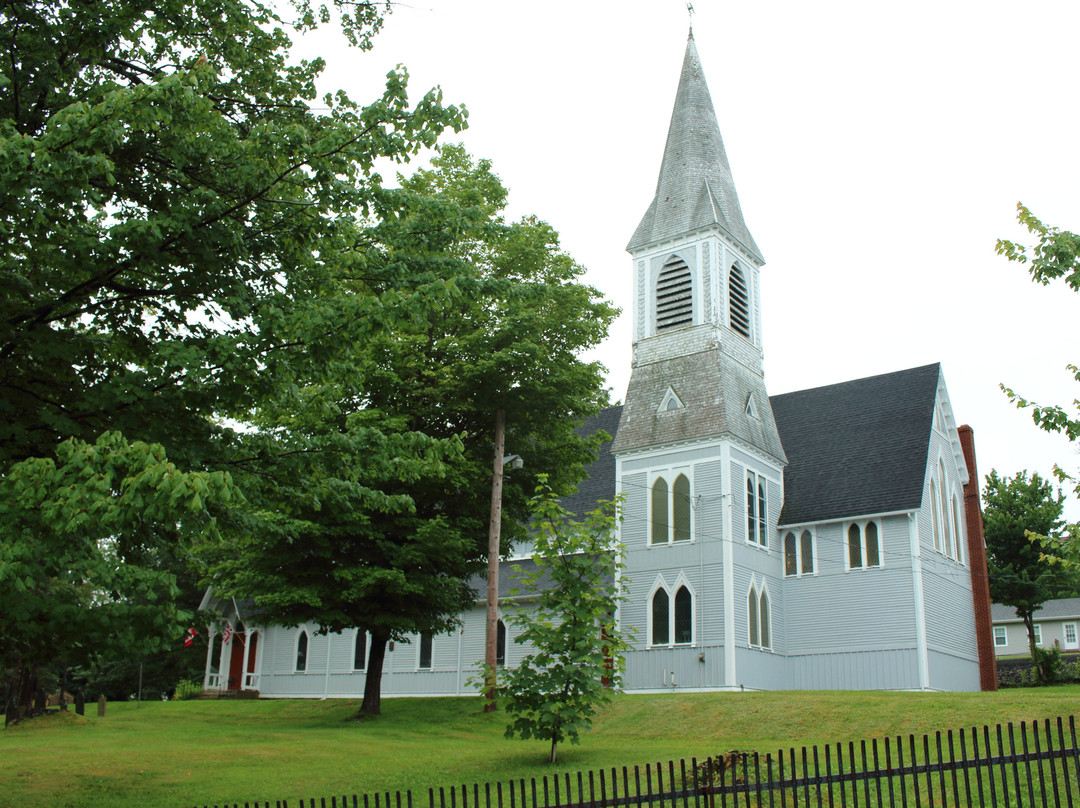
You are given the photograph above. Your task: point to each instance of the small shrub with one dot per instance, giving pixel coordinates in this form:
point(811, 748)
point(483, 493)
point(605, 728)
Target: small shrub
point(188, 689)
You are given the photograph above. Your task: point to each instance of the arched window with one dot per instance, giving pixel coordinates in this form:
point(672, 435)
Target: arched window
point(854, 547)
point(935, 511)
point(791, 563)
point(301, 652)
point(873, 554)
point(752, 615)
point(684, 616)
point(500, 643)
point(659, 511)
point(681, 503)
point(755, 509)
point(807, 548)
point(739, 302)
point(674, 295)
point(360, 650)
point(764, 619)
point(956, 528)
point(946, 526)
point(660, 617)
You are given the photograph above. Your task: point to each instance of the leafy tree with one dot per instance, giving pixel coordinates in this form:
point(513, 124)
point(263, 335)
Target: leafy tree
point(1055, 256)
point(1014, 508)
point(177, 213)
point(576, 660)
point(381, 527)
point(65, 591)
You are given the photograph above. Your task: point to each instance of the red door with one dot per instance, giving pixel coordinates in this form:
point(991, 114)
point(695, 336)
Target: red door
point(236, 661)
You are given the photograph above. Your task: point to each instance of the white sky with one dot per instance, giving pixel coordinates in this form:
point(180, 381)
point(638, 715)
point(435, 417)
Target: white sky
point(878, 151)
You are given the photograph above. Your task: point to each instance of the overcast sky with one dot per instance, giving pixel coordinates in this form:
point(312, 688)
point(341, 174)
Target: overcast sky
point(878, 150)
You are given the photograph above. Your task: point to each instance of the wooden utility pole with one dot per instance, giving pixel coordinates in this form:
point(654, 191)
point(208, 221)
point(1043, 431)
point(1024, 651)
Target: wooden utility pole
point(491, 638)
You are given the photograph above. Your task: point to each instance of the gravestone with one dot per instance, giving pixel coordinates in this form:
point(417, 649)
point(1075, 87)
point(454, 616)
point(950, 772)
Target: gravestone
point(101, 706)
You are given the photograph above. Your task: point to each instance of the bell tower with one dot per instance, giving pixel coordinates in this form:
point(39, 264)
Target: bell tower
point(697, 313)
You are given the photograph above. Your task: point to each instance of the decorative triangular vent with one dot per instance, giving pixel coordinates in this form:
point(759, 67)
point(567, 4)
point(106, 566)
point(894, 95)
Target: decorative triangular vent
point(751, 407)
point(670, 402)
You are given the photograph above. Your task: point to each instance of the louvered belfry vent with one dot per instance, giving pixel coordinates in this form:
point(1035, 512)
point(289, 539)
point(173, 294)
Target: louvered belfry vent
point(739, 300)
point(674, 295)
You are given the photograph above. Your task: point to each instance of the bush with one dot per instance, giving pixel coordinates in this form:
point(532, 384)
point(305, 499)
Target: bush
point(187, 689)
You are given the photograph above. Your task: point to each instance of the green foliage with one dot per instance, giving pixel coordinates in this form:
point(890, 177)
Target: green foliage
point(180, 220)
point(1015, 511)
point(576, 660)
point(373, 510)
point(1055, 256)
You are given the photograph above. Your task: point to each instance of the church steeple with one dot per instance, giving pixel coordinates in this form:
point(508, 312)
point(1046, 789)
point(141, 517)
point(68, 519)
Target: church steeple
point(695, 190)
point(697, 310)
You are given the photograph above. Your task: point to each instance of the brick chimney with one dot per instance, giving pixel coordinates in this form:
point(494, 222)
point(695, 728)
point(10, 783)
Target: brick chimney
point(980, 578)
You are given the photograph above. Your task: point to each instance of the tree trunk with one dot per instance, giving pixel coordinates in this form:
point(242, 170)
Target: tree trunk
point(1029, 624)
point(491, 631)
point(554, 742)
point(372, 703)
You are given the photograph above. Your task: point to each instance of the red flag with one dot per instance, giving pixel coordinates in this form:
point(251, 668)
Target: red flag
point(189, 636)
point(228, 633)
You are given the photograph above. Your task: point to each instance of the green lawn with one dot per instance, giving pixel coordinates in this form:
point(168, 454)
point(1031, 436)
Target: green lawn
point(204, 752)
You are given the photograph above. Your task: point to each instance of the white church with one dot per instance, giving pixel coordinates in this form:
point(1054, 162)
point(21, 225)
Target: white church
point(829, 538)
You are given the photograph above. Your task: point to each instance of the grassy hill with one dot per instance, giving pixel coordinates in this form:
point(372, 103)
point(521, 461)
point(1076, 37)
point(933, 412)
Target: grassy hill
point(205, 752)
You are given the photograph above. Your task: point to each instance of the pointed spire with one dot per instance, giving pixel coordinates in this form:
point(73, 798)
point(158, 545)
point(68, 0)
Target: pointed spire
point(695, 189)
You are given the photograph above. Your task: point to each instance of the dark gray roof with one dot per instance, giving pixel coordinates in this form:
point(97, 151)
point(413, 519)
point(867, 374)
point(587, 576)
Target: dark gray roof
point(695, 189)
point(1060, 609)
point(857, 447)
point(600, 482)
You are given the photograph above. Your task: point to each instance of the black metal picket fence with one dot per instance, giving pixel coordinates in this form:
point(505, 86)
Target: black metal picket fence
point(1033, 764)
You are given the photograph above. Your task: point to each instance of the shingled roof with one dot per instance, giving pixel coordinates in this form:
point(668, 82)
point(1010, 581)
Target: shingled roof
point(600, 482)
point(857, 447)
point(695, 189)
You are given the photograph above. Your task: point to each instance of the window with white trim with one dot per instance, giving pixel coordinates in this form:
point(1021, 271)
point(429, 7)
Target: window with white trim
point(799, 553)
point(500, 644)
point(738, 301)
point(1000, 638)
point(758, 617)
point(756, 512)
point(672, 626)
point(864, 545)
point(425, 651)
point(958, 534)
point(670, 520)
point(301, 651)
point(674, 295)
point(1070, 635)
point(946, 525)
point(359, 650)
point(1038, 634)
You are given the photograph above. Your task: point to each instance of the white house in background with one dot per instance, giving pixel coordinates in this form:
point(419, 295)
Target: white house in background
point(1056, 623)
point(824, 539)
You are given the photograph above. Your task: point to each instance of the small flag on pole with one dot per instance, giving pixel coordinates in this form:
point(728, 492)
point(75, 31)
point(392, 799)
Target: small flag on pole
point(228, 633)
point(189, 636)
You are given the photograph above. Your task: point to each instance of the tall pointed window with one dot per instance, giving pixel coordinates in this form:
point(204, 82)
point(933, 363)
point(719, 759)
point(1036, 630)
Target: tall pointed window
point(684, 616)
point(739, 302)
point(659, 533)
point(956, 527)
point(864, 545)
point(752, 616)
point(500, 643)
point(674, 295)
point(755, 509)
point(791, 562)
point(670, 517)
point(301, 652)
point(681, 502)
point(765, 619)
point(806, 542)
point(660, 617)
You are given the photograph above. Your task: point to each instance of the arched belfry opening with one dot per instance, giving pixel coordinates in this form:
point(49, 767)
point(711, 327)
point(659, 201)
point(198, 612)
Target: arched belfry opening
point(674, 295)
